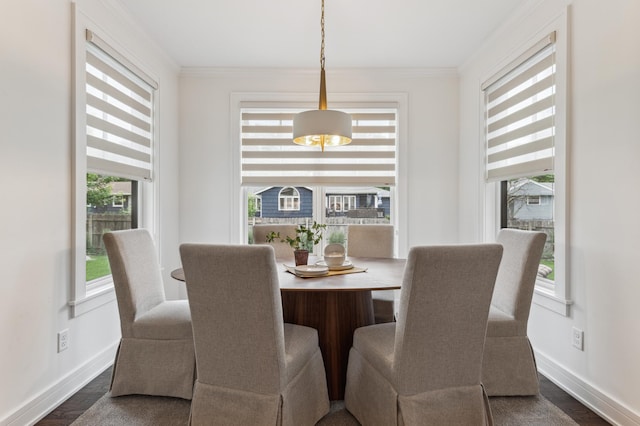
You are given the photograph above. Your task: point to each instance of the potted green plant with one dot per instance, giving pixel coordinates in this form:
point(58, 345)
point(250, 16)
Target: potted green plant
point(304, 241)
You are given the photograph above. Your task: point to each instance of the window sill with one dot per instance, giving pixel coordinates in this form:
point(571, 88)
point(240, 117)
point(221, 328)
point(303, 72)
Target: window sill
point(92, 300)
point(547, 298)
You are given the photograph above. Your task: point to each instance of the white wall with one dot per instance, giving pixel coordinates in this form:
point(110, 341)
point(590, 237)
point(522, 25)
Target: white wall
point(429, 149)
point(443, 195)
point(35, 218)
point(603, 175)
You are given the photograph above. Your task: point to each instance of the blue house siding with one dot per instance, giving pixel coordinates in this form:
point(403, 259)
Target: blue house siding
point(270, 201)
point(364, 200)
point(527, 190)
point(386, 205)
point(542, 211)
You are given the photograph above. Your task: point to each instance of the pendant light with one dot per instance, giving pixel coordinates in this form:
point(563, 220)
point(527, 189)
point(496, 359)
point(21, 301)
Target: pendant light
point(322, 127)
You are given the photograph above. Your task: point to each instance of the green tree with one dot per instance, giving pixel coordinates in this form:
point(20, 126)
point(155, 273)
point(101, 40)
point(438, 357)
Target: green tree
point(251, 205)
point(98, 189)
point(544, 178)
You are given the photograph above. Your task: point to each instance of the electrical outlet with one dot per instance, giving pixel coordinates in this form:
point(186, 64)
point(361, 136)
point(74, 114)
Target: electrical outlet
point(63, 340)
point(577, 338)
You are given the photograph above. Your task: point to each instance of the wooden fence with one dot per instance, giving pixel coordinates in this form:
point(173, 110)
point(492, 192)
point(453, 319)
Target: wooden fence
point(541, 225)
point(99, 223)
point(336, 226)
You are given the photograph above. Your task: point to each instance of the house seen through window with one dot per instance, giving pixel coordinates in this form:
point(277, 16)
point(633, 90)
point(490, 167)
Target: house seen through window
point(340, 206)
point(351, 184)
point(528, 204)
point(111, 206)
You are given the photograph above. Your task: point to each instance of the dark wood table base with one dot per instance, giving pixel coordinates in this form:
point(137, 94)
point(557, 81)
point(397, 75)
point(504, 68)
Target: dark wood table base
point(335, 314)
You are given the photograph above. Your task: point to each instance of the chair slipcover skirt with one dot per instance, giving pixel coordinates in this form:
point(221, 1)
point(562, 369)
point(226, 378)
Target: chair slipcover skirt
point(154, 367)
point(231, 407)
point(367, 388)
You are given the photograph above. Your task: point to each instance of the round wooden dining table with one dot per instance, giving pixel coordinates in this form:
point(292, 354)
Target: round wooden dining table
point(335, 305)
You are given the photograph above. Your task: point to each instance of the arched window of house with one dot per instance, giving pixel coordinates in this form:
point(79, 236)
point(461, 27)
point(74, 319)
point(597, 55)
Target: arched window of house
point(289, 199)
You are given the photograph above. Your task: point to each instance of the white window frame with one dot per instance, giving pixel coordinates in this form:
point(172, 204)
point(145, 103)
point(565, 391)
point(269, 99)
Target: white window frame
point(348, 202)
point(88, 296)
point(289, 203)
point(530, 197)
point(400, 101)
point(334, 200)
point(120, 197)
point(553, 296)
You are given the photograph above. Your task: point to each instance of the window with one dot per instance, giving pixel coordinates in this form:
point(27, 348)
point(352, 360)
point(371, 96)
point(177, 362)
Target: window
point(344, 203)
point(348, 202)
point(335, 203)
point(523, 211)
point(341, 203)
point(255, 205)
point(520, 129)
point(113, 158)
point(268, 155)
point(118, 201)
point(311, 185)
point(373, 207)
point(533, 200)
point(289, 199)
point(121, 190)
point(524, 138)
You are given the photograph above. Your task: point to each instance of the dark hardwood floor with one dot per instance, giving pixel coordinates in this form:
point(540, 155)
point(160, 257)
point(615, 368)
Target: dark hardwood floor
point(78, 403)
point(72, 408)
point(571, 406)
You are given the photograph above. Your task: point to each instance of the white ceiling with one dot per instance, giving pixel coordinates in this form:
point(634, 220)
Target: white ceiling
point(286, 33)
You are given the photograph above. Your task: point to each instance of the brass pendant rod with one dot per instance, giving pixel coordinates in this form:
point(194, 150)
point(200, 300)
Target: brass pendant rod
point(322, 102)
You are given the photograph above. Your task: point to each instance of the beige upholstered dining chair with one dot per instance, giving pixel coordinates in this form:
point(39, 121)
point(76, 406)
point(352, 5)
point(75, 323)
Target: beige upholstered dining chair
point(509, 366)
point(252, 368)
point(374, 241)
point(156, 354)
point(282, 249)
point(426, 367)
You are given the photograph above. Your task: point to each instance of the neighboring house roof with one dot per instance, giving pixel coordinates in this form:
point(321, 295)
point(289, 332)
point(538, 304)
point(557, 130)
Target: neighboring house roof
point(342, 190)
point(260, 191)
point(120, 188)
point(531, 187)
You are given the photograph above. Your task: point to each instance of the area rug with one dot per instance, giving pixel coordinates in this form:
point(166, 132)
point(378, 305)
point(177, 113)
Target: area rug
point(158, 411)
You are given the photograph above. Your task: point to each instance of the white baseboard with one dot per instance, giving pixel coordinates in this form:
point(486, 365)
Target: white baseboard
point(34, 410)
point(606, 407)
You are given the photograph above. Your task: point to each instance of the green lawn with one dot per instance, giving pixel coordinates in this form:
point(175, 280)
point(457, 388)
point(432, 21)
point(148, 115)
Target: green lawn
point(97, 267)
